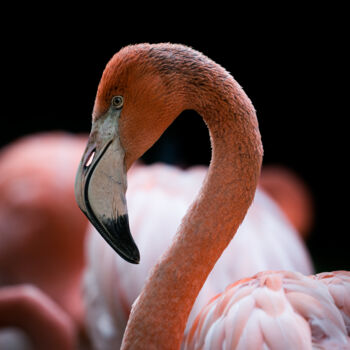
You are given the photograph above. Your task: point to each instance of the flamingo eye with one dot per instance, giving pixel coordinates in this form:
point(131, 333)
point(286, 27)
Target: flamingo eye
point(117, 102)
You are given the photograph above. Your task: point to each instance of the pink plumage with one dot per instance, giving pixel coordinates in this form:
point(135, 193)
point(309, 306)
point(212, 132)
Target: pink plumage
point(277, 310)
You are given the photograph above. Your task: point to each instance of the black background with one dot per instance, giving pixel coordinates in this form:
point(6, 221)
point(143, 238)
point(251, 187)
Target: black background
point(294, 69)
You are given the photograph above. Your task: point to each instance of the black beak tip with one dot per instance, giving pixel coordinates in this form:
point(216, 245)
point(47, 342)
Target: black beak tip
point(133, 259)
point(120, 239)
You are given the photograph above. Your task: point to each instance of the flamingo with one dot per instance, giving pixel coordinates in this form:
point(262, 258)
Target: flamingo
point(42, 234)
point(142, 90)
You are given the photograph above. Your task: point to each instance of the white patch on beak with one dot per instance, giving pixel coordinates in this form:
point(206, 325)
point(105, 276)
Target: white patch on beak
point(90, 159)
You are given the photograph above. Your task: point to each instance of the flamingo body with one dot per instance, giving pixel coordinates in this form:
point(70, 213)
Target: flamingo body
point(158, 197)
point(277, 310)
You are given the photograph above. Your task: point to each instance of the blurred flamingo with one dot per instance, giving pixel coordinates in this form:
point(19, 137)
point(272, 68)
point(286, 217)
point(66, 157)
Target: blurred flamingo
point(142, 90)
point(41, 232)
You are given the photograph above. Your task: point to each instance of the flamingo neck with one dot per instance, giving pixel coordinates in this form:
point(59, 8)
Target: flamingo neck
point(158, 317)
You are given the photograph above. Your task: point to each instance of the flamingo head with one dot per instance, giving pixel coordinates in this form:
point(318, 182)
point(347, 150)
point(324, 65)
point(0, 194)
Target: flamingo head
point(133, 107)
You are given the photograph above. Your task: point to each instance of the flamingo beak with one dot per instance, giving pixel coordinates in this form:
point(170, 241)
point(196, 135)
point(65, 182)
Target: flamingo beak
point(101, 184)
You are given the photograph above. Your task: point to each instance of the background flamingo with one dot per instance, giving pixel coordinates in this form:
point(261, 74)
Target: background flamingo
point(161, 311)
point(41, 233)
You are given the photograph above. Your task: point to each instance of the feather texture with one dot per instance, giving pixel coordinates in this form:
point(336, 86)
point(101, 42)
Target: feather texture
point(277, 310)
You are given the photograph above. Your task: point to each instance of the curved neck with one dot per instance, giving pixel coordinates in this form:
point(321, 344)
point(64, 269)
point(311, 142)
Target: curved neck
point(159, 316)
